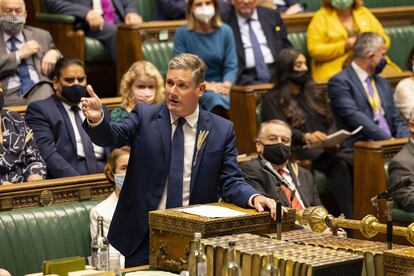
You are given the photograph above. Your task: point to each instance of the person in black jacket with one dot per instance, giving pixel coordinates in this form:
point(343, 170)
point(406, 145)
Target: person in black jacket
point(297, 101)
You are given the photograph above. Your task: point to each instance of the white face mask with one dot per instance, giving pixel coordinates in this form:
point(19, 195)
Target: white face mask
point(119, 180)
point(144, 95)
point(205, 13)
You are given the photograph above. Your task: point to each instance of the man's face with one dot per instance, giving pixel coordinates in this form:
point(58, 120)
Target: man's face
point(182, 94)
point(375, 58)
point(74, 74)
point(274, 134)
point(244, 7)
point(12, 7)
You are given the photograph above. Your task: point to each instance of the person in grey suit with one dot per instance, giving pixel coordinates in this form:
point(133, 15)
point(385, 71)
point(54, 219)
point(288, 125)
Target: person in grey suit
point(98, 18)
point(273, 145)
point(403, 165)
point(27, 55)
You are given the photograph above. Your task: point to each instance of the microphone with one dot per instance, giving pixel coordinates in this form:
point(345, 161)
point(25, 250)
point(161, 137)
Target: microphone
point(267, 167)
point(404, 182)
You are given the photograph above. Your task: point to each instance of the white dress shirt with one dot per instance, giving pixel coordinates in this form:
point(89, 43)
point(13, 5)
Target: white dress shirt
point(97, 6)
point(261, 38)
point(14, 81)
point(106, 210)
point(99, 151)
point(190, 133)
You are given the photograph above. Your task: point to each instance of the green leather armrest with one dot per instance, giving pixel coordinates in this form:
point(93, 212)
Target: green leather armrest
point(56, 18)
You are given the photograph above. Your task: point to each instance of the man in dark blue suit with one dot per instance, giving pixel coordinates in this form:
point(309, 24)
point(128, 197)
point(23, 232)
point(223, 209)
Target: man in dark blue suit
point(260, 35)
point(57, 125)
point(98, 18)
point(359, 97)
point(180, 155)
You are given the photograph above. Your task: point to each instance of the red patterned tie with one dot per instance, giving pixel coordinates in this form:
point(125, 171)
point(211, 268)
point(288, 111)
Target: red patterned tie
point(295, 203)
point(108, 11)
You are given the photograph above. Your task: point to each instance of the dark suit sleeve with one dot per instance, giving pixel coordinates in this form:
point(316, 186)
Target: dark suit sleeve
point(115, 134)
point(344, 106)
point(172, 9)
point(253, 177)
point(43, 132)
point(398, 123)
point(404, 196)
point(129, 6)
point(233, 186)
point(68, 8)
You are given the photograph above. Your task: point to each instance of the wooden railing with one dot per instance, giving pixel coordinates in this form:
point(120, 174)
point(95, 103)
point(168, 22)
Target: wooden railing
point(52, 191)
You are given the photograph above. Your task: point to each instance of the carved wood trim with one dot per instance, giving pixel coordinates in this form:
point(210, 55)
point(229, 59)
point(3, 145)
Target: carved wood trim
point(63, 190)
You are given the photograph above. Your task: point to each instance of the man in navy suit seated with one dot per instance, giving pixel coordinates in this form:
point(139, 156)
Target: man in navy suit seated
point(57, 125)
point(180, 155)
point(359, 97)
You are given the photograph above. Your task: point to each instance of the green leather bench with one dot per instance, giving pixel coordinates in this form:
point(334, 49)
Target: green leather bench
point(146, 8)
point(29, 236)
point(402, 40)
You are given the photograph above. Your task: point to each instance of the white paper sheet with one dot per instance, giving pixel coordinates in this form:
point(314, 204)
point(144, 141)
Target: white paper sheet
point(212, 211)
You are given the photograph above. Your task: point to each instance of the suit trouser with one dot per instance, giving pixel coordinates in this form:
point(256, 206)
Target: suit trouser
point(141, 254)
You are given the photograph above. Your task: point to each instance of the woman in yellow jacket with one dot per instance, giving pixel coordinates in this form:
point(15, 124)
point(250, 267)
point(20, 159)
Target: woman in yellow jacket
point(333, 31)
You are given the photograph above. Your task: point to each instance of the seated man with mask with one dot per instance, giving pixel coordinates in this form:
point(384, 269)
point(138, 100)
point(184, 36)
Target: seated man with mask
point(57, 125)
point(273, 146)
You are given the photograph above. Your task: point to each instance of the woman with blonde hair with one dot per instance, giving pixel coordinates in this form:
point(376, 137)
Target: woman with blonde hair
point(332, 34)
point(141, 84)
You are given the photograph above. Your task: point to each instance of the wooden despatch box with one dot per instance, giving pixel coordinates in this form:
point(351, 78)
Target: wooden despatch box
point(399, 262)
point(171, 232)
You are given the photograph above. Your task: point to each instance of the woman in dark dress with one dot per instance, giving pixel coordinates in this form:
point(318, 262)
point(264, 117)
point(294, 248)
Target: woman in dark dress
point(297, 101)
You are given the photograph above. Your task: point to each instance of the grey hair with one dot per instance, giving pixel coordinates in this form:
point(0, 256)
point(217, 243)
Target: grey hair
point(367, 42)
point(273, 121)
point(189, 62)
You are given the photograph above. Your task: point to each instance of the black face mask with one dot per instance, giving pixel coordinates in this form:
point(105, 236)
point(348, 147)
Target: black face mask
point(299, 77)
point(74, 93)
point(277, 154)
point(1, 100)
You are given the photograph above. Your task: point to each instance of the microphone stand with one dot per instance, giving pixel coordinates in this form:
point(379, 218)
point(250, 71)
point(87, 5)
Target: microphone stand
point(278, 207)
point(388, 212)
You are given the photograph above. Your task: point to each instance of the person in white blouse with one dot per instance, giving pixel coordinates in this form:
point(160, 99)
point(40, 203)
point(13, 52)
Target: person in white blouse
point(114, 170)
point(404, 92)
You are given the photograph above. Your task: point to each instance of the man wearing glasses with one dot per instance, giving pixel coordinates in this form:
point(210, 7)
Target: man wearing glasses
point(57, 125)
point(27, 55)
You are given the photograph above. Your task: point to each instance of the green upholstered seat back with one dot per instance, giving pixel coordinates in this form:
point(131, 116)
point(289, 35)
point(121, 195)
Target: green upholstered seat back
point(29, 236)
point(95, 50)
point(158, 53)
point(146, 8)
point(299, 41)
point(402, 40)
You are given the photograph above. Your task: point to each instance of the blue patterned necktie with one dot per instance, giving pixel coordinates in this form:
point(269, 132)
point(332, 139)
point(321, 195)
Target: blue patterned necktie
point(90, 158)
point(175, 175)
point(262, 71)
point(23, 70)
point(382, 123)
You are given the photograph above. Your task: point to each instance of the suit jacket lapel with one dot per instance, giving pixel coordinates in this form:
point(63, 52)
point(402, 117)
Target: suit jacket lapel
point(237, 35)
point(164, 125)
point(297, 184)
point(267, 30)
point(28, 35)
point(360, 88)
point(66, 119)
point(202, 124)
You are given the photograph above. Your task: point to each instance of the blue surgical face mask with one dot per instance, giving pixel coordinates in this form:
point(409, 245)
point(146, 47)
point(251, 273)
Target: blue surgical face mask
point(119, 180)
point(381, 65)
